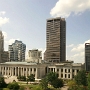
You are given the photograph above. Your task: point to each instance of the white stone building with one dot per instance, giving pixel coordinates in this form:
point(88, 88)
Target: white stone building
point(64, 70)
point(34, 55)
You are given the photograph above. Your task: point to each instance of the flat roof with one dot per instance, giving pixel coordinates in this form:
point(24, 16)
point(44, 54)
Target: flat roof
point(22, 63)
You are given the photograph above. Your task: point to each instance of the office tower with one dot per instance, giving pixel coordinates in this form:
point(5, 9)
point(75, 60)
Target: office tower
point(1, 45)
point(1, 42)
point(3, 54)
point(87, 56)
point(34, 56)
point(17, 51)
point(56, 40)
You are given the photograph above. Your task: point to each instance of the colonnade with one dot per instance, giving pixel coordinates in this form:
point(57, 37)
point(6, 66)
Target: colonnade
point(64, 73)
point(17, 71)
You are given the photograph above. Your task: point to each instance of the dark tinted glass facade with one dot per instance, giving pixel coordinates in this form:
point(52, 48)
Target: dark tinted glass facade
point(87, 56)
point(56, 40)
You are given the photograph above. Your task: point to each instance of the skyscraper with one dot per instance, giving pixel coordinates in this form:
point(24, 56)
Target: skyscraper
point(87, 56)
point(56, 40)
point(17, 51)
point(1, 42)
point(3, 54)
point(1, 45)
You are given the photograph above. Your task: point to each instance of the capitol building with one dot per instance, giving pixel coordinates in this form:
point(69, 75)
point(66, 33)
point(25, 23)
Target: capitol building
point(65, 70)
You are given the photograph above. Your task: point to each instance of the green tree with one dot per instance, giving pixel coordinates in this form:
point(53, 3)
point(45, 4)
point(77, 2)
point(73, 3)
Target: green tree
point(71, 83)
point(81, 78)
point(21, 78)
point(51, 76)
point(57, 83)
point(31, 78)
point(13, 86)
point(2, 82)
point(44, 84)
point(88, 81)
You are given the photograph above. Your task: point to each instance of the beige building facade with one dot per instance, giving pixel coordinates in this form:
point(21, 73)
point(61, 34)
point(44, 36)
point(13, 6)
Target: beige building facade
point(64, 70)
point(34, 55)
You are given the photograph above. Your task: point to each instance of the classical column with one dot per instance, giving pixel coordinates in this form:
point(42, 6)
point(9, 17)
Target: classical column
point(5, 70)
point(12, 71)
point(59, 73)
point(21, 71)
point(32, 70)
point(75, 72)
point(63, 73)
point(26, 71)
point(8, 71)
point(70, 73)
point(18, 71)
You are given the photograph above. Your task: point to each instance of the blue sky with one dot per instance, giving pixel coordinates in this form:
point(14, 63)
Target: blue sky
point(26, 20)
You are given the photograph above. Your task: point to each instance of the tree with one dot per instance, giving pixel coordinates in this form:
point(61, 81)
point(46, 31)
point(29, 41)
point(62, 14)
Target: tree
point(88, 81)
point(2, 83)
point(71, 83)
point(81, 78)
point(57, 83)
point(51, 76)
point(13, 86)
point(21, 78)
point(44, 84)
point(31, 78)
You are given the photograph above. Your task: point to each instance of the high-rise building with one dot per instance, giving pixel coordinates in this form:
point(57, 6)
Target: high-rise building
point(17, 51)
point(87, 56)
point(1, 45)
point(56, 40)
point(3, 54)
point(1, 42)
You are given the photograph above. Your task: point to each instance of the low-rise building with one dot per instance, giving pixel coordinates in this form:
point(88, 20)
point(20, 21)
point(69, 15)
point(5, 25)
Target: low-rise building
point(64, 70)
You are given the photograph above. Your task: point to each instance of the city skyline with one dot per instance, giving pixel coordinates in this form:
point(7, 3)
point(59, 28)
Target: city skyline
point(26, 21)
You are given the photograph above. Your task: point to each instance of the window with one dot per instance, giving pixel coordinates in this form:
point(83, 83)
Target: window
point(34, 69)
point(65, 75)
point(68, 75)
point(65, 70)
point(57, 70)
point(61, 75)
point(68, 70)
point(61, 70)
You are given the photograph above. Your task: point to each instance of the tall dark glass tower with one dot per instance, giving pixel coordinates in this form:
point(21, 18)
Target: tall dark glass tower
point(87, 56)
point(56, 40)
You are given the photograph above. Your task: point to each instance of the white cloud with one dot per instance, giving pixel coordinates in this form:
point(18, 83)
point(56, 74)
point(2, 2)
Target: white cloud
point(71, 45)
point(3, 20)
point(80, 47)
point(11, 41)
point(78, 53)
point(64, 8)
point(2, 12)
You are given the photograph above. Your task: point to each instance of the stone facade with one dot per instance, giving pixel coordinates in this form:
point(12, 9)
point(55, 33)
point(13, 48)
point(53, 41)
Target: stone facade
point(34, 56)
point(64, 70)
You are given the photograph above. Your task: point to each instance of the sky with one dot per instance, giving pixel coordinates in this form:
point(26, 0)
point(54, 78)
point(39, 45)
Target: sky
point(25, 20)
